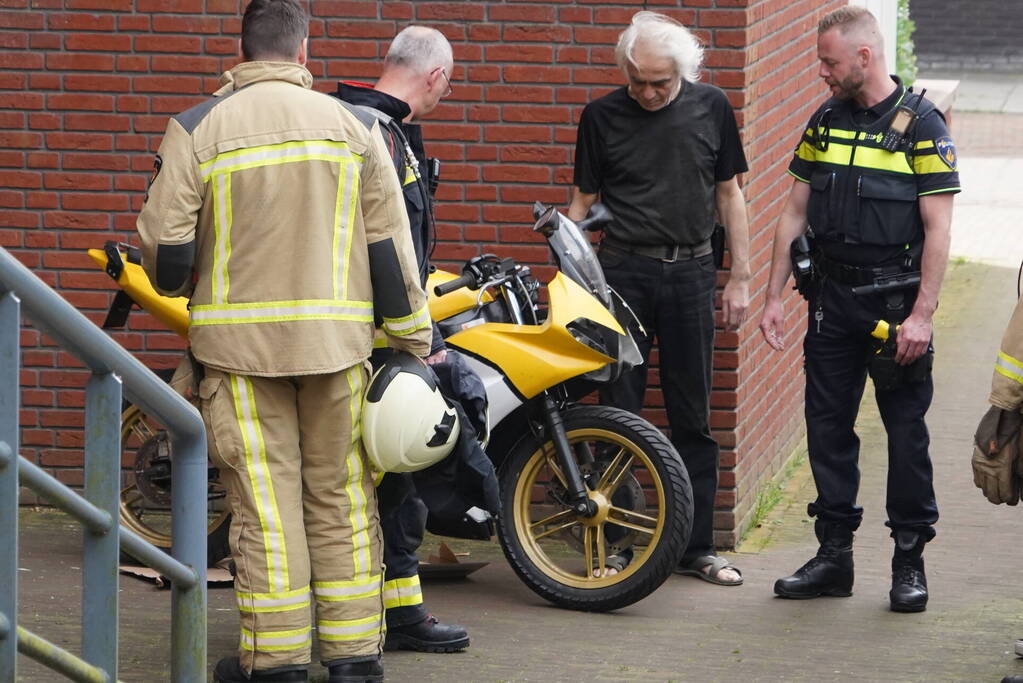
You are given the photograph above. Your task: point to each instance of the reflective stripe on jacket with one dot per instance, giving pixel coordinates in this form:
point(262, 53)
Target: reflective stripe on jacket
point(1007, 380)
point(299, 230)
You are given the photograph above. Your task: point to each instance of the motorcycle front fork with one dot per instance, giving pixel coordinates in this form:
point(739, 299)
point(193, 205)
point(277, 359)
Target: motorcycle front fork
point(575, 486)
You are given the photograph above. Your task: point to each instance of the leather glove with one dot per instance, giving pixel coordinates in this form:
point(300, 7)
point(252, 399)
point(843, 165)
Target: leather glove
point(995, 453)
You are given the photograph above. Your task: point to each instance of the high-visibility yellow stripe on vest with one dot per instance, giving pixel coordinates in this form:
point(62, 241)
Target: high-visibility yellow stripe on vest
point(281, 311)
point(409, 323)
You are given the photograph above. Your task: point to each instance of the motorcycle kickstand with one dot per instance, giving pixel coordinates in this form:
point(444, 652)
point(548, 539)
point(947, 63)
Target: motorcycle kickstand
point(574, 484)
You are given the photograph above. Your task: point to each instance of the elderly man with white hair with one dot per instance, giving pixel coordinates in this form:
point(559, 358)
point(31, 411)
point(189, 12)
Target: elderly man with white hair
point(663, 154)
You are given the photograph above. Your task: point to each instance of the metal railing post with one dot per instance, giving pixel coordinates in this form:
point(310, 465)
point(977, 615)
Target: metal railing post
point(10, 369)
point(99, 552)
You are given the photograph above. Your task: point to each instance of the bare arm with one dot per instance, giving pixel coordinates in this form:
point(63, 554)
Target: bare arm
point(915, 333)
point(791, 224)
point(731, 206)
point(581, 203)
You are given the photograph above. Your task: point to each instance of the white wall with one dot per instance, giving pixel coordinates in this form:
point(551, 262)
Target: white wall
point(886, 12)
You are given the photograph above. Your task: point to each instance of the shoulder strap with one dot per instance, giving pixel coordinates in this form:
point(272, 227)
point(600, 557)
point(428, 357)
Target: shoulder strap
point(394, 137)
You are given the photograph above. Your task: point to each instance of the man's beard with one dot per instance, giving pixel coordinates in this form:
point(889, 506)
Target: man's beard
point(850, 86)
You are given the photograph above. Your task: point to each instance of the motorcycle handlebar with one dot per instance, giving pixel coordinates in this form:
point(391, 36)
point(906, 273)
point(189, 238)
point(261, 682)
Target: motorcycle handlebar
point(465, 280)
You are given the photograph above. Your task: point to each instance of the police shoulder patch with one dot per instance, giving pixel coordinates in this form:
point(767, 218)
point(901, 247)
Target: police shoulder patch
point(947, 151)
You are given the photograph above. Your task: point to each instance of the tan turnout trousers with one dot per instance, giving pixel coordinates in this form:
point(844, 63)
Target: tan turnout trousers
point(305, 526)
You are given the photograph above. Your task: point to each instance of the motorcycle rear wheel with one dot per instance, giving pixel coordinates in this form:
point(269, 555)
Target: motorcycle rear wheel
point(144, 505)
point(644, 512)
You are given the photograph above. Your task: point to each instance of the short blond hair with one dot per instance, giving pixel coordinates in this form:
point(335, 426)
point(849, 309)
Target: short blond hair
point(852, 19)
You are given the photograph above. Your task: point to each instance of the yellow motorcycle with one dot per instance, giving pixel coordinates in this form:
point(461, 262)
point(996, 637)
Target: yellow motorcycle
point(597, 505)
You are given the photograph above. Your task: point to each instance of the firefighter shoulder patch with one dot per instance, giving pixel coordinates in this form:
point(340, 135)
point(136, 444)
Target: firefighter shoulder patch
point(157, 165)
point(947, 151)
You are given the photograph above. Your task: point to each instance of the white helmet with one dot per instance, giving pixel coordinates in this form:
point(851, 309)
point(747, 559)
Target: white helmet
point(407, 425)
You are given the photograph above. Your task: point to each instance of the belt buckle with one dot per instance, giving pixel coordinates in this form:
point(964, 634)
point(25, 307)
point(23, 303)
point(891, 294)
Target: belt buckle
point(674, 256)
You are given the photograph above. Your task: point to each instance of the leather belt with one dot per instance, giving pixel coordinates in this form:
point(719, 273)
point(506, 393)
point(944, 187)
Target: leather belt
point(669, 253)
point(854, 275)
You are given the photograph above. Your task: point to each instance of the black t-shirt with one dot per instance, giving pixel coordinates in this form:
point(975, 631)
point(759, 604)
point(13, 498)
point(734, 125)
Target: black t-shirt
point(656, 170)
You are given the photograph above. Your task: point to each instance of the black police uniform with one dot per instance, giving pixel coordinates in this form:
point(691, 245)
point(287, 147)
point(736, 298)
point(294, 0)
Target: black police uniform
point(864, 214)
point(403, 513)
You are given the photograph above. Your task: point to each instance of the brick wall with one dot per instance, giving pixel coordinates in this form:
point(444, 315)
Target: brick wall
point(86, 87)
point(985, 38)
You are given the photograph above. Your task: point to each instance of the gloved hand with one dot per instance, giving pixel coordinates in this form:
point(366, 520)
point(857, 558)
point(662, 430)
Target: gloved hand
point(995, 452)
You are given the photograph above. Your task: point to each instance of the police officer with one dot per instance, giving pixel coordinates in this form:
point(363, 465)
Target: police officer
point(875, 174)
point(416, 76)
point(283, 209)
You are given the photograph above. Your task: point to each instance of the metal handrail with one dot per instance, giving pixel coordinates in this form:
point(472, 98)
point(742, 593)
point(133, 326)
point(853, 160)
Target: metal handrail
point(110, 364)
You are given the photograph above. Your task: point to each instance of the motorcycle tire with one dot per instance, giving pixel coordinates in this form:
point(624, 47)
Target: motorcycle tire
point(144, 507)
point(629, 467)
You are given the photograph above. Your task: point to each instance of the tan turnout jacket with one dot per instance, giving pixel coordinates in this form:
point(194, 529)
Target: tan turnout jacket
point(1007, 380)
point(298, 225)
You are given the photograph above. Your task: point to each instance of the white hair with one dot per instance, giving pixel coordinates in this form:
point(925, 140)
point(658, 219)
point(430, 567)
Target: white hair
point(420, 49)
point(664, 35)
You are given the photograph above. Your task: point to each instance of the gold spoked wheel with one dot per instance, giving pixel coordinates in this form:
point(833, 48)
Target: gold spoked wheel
point(640, 491)
point(572, 547)
point(145, 501)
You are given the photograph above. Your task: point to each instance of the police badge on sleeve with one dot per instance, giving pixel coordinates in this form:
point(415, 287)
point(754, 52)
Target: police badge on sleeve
point(947, 151)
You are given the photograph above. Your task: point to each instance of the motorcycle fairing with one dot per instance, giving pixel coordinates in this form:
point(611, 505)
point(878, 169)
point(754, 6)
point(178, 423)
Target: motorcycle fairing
point(534, 358)
point(171, 311)
point(458, 301)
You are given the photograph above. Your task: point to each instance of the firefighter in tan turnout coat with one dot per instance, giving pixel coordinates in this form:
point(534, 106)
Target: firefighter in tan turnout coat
point(279, 213)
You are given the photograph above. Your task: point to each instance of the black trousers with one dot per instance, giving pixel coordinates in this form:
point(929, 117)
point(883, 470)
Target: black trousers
point(836, 371)
point(675, 303)
point(403, 522)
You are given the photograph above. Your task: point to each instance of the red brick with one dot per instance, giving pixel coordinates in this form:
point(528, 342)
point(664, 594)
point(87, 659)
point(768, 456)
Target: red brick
point(175, 6)
point(220, 46)
point(20, 139)
point(20, 60)
point(536, 33)
point(517, 134)
point(95, 162)
point(534, 114)
point(80, 22)
point(17, 41)
point(26, 100)
point(94, 202)
point(21, 20)
point(543, 54)
point(97, 82)
point(41, 200)
point(75, 220)
point(522, 13)
point(44, 81)
point(19, 219)
point(42, 160)
point(458, 11)
point(711, 18)
point(80, 62)
point(185, 24)
point(366, 9)
point(11, 200)
point(177, 44)
point(588, 34)
point(28, 180)
point(167, 84)
point(81, 101)
point(361, 29)
point(97, 43)
point(132, 63)
point(107, 122)
point(80, 141)
point(133, 24)
point(77, 181)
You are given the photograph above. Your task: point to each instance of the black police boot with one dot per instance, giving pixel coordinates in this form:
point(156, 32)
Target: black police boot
point(428, 635)
point(358, 670)
point(229, 670)
point(909, 584)
point(829, 572)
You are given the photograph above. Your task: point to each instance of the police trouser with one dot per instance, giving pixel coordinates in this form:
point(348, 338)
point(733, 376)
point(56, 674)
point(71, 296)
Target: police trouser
point(403, 524)
point(304, 520)
point(836, 372)
point(675, 302)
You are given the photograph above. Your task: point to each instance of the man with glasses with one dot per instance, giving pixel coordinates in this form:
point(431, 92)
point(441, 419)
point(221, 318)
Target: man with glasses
point(663, 154)
point(414, 80)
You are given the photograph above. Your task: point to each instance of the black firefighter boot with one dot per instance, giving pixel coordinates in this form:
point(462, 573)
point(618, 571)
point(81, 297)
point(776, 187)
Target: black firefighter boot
point(829, 572)
point(909, 584)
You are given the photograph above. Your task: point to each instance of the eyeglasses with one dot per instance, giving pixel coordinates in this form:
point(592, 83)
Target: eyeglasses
point(447, 82)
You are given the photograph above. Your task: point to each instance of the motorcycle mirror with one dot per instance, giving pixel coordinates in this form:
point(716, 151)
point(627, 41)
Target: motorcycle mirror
point(547, 222)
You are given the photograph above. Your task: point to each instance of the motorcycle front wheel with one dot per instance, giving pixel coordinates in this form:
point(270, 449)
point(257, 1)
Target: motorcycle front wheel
point(145, 501)
point(644, 511)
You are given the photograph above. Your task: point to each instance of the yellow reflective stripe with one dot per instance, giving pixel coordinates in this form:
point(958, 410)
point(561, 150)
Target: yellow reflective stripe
point(281, 311)
point(222, 237)
point(1009, 367)
point(273, 602)
point(340, 591)
point(262, 485)
point(357, 514)
point(351, 200)
point(349, 629)
point(274, 641)
point(840, 154)
point(409, 323)
point(926, 144)
point(806, 151)
point(930, 163)
point(403, 592)
point(410, 175)
point(281, 153)
point(798, 177)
